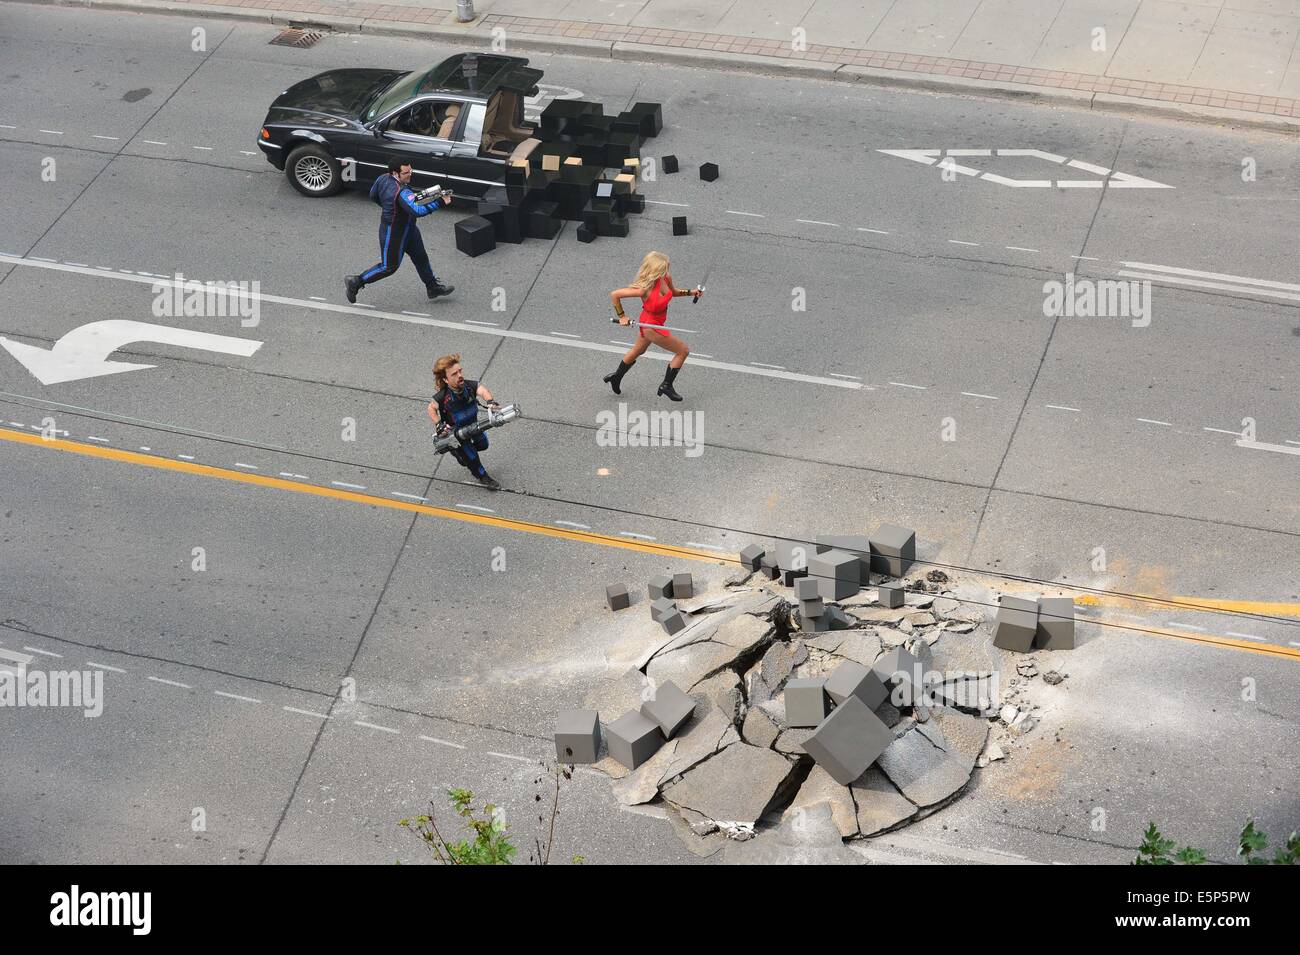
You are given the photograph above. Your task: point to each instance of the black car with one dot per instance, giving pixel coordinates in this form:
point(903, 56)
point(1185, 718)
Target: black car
point(458, 123)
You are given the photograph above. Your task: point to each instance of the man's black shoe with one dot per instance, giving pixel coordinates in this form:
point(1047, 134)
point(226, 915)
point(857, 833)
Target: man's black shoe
point(352, 285)
point(487, 481)
point(437, 289)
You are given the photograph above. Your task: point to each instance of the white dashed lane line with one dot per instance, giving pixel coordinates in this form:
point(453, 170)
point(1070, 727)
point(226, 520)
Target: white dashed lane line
point(44, 653)
point(903, 384)
point(441, 742)
point(522, 759)
point(153, 142)
point(104, 666)
point(294, 709)
point(833, 225)
point(1016, 248)
point(350, 487)
point(960, 242)
point(874, 231)
point(409, 497)
point(721, 550)
point(374, 726)
point(1235, 434)
point(1244, 636)
point(235, 696)
point(1163, 424)
point(246, 467)
point(475, 507)
point(737, 212)
point(581, 527)
point(566, 335)
point(972, 394)
point(52, 132)
point(158, 679)
point(1062, 408)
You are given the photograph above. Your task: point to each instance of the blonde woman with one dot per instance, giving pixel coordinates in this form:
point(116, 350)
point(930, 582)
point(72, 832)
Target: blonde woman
point(654, 287)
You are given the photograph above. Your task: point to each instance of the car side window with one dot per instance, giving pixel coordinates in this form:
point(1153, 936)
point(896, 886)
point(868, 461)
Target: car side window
point(435, 119)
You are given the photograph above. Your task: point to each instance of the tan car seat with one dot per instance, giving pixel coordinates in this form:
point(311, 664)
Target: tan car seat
point(449, 124)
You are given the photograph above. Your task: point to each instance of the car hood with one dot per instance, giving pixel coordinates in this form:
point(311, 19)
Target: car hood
point(340, 93)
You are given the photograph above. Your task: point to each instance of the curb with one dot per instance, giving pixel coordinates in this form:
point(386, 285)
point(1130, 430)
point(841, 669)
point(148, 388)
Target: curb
point(738, 62)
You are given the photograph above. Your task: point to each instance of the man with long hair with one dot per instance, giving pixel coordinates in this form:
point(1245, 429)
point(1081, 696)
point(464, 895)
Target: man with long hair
point(456, 404)
point(654, 287)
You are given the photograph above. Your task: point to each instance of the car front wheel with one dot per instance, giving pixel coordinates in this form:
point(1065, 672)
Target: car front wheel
point(313, 171)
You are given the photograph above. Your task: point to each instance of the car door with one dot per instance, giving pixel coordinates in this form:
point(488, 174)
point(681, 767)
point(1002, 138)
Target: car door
point(429, 133)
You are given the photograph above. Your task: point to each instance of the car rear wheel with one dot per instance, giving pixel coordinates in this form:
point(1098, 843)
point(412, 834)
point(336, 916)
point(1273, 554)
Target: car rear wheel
point(313, 171)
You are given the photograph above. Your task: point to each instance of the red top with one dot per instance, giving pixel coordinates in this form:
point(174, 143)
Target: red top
point(654, 307)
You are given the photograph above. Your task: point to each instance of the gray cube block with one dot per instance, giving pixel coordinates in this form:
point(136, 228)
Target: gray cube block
point(812, 608)
point(839, 620)
point(837, 574)
point(1027, 604)
point(1014, 628)
point(805, 702)
point(890, 595)
point(848, 741)
point(805, 588)
point(818, 624)
point(852, 679)
point(661, 587)
point(617, 597)
point(633, 738)
point(669, 709)
point(793, 556)
point(673, 622)
point(893, 549)
point(856, 544)
point(577, 736)
point(683, 586)
point(1055, 623)
point(660, 608)
point(751, 557)
point(767, 565)
point(903, 670)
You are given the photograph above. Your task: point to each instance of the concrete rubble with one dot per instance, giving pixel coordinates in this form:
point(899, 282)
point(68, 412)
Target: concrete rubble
point(736, 775)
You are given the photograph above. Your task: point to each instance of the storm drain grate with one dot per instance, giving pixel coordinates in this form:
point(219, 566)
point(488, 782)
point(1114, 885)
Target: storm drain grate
point(293, 36)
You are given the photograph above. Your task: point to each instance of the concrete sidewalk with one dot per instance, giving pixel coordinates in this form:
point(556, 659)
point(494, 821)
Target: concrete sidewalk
point(1223, 60)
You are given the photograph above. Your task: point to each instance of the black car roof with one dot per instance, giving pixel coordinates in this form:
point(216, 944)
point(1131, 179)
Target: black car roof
point(481, 74)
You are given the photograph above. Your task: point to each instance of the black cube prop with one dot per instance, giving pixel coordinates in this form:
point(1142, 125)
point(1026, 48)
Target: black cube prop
point(679, 225)
point(709, 171)
point(669, 164)
point(475, 235)
point(651, 116)
point(542, 220)
point(585, 234)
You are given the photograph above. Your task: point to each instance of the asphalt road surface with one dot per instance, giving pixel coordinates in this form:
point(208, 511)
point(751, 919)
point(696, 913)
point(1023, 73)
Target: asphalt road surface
point(920, 384)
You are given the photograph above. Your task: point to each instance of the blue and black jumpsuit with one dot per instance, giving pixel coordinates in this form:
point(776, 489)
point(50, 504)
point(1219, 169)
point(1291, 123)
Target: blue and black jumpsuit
point(399, 233)
point(459, 407)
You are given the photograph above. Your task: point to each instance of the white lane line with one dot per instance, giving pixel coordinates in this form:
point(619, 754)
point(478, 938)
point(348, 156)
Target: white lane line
point(475, 507)
point(737, 212)
point(44, 653)
point(1185, 626)
point(17, 424)
point(971, 394)
point(660, 202)
point(52, 132)
point(235, 696)
point(1088, 167)
point(104, 666)
point(1086, 258)
point(287, 474)
point(699, 354)
point(97, 136)
point(91, 437)
point(441, 742)
point(1245, 636)
point(353, 487)
point(363, 305)
point(875, 231)
point(413, 497)
point(1289, 441)
point(566, 335)
point(7, 126)
point(185, 457)
point(247, 152)
point(833, 225)
point(153, 142)
point(463, 327)
point(246, 467)
point(612, 342)
point(302, 477)
point(1220, 286)
point(720, 550)
point(522, 759)
point(79, 265)
point(374, 726)
point(420, 314)
point(762, 365)
point(1235, 434)
point(850, 377)
point(1063, 408)
point(1163, 424)
point(1017, 248)
point(470, 321)
point(1218, 276)
point(294, 709)
point(903, 384)
point(581, 527)
point(158, 679)
point(206, 149)
point(1293, 643)
point(317, 298)
point(644, 537)
point(960, 242)
point(1262, 446)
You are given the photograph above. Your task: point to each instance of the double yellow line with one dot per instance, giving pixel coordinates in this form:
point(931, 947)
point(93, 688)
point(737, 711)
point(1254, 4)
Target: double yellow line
point(669, 551)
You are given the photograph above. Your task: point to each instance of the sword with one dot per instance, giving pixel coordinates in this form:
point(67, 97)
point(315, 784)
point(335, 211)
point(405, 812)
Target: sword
point(667, 328)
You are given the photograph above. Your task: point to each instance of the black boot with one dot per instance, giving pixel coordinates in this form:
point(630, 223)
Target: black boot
point(667, 387)
point(352, 285)
point(615, 378)
point(437, 288)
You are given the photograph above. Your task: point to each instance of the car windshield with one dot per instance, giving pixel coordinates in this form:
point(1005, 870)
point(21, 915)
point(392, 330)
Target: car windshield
point(402, 89)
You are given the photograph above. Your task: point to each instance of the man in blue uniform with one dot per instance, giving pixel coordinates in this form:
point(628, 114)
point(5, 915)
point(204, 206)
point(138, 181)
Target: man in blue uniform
point(456, 404)
point(399, 233)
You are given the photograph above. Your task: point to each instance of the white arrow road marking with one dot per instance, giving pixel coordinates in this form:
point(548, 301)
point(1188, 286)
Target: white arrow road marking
point(1261, 446)
point(1114, 180)
point(83, 352)
point(372, 313)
